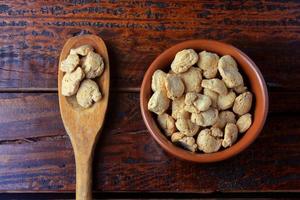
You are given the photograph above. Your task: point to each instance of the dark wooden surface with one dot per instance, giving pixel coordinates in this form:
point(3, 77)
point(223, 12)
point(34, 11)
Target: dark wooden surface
point(35, 152)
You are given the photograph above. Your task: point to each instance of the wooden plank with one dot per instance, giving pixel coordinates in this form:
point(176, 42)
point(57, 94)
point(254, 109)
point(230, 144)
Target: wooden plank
point(32, 35)
point(153, 195)
point(285, 102)
point(135, 162)
point(36, 154)
point(140, 10)
point(32, 115)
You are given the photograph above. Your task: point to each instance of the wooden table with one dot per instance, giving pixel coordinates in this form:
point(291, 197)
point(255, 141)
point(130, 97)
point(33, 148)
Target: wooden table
point(35, 151)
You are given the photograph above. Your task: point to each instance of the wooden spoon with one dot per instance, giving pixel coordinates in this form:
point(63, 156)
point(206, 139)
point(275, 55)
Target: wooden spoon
point(84, 125)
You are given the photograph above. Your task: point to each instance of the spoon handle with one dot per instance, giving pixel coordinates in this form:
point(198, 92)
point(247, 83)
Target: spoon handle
point(84, 163)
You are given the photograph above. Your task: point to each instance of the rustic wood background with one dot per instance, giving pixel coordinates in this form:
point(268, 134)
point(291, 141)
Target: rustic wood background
point(35, 152)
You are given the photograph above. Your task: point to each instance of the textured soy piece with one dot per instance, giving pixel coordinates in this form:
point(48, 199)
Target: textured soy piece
point(167, 123)
point(208, 143)
point(208, 62)
point(70, 63)
point(158, 81)
point(192, 79)
point(88, 93)
point(93, 65)
point(82, 50)
point(174, 86)
point(158, 103)
point(184, 60)
point(71, 81)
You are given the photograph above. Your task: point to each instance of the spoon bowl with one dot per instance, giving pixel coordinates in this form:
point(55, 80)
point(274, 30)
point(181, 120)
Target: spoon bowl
point(84, 125)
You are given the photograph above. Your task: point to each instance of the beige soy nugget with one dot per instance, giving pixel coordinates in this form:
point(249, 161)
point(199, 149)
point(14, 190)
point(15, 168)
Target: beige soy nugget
point(167, 123)
point(240, 89)
point(177, 136)
point(212, 95)
point(242, 104)
point(229, 72)
point(188, 143)
point(208, 62)
point(206, 118)
point(195, 102)
point(71, 81)
point(244, 122)
point(216, 132)
point(230, 135)
point(178, 109)
point(224, 118)
point(192, 79)
point(93, 65)
point(208, 143)
point(186, 127)
point(228, 61)
point(184, 141)
point(158, 80)
point(174, 86)
point(158, 103)
point(70, 63)
point(82, 50)
point(88, 93)
point(226, 101)
point(215, 85)
point(184, 60)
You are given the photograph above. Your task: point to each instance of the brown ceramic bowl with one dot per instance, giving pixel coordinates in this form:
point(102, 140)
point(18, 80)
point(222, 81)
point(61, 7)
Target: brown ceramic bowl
point(254, 81)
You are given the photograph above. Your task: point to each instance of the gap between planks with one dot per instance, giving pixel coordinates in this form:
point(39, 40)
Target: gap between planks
point(32, 139)
point(54, 90)
point(52, 137)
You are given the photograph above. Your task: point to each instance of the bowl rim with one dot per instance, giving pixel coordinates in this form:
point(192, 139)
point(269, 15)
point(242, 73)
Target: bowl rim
point(201, 157)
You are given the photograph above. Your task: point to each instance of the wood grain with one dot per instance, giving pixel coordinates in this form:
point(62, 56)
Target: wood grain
point(32, 35)
point(128, 159)
point(36, 115)
point(21, 119)
point(35, 152)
